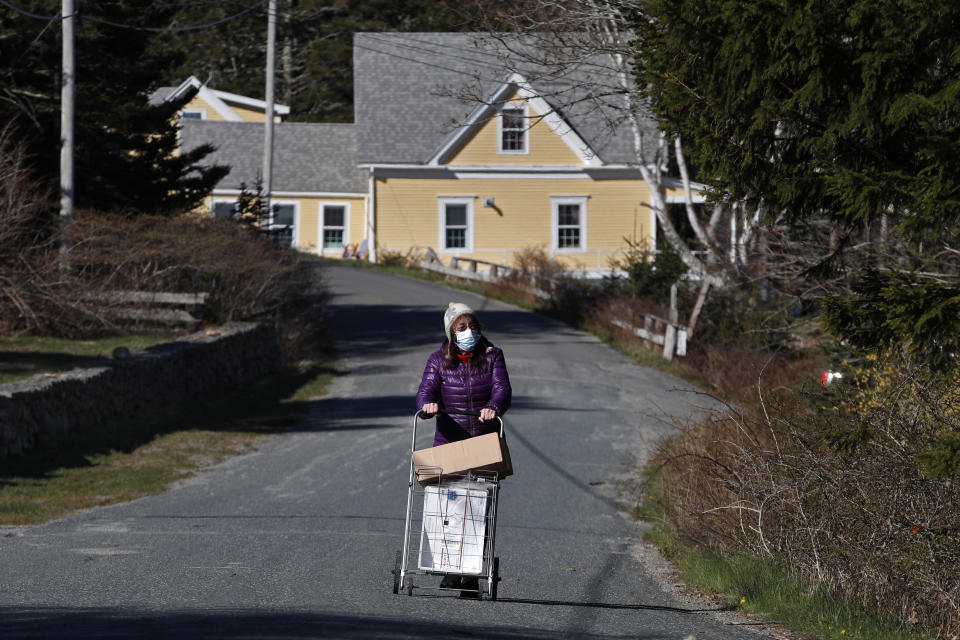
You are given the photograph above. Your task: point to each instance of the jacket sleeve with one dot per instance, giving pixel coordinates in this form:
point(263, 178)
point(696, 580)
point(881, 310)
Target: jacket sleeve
point(430, 382)
point(501, 393)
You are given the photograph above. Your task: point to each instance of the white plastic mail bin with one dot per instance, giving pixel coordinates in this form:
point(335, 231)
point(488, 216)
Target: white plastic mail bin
point(454, 526)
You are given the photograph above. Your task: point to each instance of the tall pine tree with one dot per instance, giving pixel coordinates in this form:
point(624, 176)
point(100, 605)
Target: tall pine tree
point(845, 110)
point(126, 150)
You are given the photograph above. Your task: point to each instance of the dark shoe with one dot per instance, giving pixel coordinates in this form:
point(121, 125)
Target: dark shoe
point(450, 582)
point(470, 587)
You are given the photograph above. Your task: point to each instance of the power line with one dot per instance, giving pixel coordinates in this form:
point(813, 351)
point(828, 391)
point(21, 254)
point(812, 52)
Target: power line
point(26, 49)
point(427, 64)
point(443, 50)
point(185, 3)
point(195, 27)
point(35, 16)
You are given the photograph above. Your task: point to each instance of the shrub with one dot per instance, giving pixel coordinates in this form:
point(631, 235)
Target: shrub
point(46, 291)
point(841, 494)
point(36, 294)
point(646, 275)
point(403, 259)
point(247, 276)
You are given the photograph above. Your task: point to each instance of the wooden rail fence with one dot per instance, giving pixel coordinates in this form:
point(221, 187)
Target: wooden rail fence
point(670, 335)
point(154, 306)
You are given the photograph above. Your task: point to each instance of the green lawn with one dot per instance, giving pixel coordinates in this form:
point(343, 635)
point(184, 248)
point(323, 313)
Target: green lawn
point(142, 455)
point(24, 356)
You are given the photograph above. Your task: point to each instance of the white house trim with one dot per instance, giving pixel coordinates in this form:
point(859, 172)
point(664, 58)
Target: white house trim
point(555, 202)
point(516, 83)
point(521, 176)
point(370, 233)
point(322, 250)
point(296, 218)
point(214, 201)
point(442, 202)
point(278, 109)
point(297, 194)
point(695, 198)
point(216, 100)
point(525, 151)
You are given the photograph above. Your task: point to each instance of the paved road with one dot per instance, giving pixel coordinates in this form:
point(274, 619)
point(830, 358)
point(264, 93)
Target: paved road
point(297, 540)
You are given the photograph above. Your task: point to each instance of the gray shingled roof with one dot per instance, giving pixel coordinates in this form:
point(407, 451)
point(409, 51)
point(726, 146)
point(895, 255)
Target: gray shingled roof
point(319, 157)
point(406, 100)
point(159, 95)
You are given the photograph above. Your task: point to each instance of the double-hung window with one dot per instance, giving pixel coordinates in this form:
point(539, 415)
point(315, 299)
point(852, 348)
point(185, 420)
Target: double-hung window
point(569, 223)
point(283, 222)
point(456, 224)
point(513, 129)
point(335, 217)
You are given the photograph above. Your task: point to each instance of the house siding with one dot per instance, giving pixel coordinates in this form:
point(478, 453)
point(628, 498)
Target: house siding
point(199, 103)
point(309, 221)
point(408, 216)
point(248, 114)
point(546, 148)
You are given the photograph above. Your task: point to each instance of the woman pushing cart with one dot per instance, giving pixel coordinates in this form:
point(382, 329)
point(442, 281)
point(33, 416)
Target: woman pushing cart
point(466, 386)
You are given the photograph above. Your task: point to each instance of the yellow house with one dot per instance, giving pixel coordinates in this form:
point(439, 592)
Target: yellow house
point(499, 175)
point(519, 167)
point(319, 199)
point(218, 106)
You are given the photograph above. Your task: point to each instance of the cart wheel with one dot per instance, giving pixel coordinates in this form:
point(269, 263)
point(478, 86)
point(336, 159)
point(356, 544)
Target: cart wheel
point(396, 573)
point(495, 580)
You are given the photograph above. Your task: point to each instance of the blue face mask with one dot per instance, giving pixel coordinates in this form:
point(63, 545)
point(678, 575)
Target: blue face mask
point(467, 339)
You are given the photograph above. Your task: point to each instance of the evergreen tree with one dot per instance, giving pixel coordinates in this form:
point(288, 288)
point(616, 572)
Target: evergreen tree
point(845, 110)
point(126, 151)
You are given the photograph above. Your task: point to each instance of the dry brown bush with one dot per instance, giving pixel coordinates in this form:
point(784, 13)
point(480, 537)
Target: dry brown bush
point(836, 493)
point(542, 282)
point(732, 370)
point(409, 259)
point(246, 276)
point(36, 294)
point(46, 291)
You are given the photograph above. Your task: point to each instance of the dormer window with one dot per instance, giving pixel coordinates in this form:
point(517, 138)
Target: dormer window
point(513, 129)
point(193, 114)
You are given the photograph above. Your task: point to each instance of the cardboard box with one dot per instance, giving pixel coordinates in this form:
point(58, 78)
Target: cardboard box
point(488, 452)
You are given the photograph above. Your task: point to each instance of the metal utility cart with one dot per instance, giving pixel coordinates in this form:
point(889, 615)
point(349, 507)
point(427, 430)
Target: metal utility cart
point(451, 526)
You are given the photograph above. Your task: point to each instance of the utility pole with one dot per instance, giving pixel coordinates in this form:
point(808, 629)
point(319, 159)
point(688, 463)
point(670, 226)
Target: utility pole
point(67, 101)
point(268, 116)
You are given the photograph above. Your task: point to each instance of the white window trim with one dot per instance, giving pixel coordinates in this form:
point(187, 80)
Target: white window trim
point(442, 202)
point(215, 201)
point(202, 112)
point(296, 218)
point(526, 130)
point(555, 202)
point(331, 251)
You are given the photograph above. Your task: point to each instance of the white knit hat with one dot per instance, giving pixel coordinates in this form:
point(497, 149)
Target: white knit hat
point(454, 311)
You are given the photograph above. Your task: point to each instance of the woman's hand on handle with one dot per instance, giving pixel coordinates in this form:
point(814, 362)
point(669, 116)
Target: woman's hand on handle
point(431, 408)
point(487, 414)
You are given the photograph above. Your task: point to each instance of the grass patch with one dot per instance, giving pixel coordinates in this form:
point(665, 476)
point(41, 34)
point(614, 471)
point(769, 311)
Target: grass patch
point(24, 356)
point(762, 587)
point(129, 459)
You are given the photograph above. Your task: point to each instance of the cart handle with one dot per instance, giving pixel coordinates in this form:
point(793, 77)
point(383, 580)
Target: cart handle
point(449, 412)
point(419, 415)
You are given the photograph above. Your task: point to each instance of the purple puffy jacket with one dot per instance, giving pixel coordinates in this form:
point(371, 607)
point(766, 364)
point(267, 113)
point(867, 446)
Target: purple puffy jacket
point(464, 388)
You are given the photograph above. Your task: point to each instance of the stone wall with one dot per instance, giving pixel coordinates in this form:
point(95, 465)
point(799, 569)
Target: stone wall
point(37, 410)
